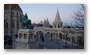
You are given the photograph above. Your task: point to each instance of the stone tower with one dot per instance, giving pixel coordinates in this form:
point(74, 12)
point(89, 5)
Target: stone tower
point(57, 22)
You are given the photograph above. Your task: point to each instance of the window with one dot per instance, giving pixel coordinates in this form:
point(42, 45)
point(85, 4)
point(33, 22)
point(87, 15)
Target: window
point(17, 23)
point(16, 36)
point(12, 14)
point(25, 36)
point(20, 35)
point(20, 15)
point(17, 15)
point(6, 23)
point(58, 26)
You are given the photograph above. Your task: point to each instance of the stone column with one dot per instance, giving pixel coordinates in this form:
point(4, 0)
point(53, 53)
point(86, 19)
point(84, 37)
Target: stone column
point(15, 24)
point(55, 35)
point(56, 25)
point(9, 23)
point(19, 21)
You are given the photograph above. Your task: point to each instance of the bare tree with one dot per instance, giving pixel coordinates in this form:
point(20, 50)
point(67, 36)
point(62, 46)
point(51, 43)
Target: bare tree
point(79, 17)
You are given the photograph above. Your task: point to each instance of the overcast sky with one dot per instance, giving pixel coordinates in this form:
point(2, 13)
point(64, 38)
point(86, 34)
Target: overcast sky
point(39, 12)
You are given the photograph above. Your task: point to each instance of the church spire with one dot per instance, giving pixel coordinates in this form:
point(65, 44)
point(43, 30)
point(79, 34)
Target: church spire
point(57, 18)
point(47, 21)
point(57, 22)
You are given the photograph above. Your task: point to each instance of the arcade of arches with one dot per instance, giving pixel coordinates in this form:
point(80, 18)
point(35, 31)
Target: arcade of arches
point(60, 36)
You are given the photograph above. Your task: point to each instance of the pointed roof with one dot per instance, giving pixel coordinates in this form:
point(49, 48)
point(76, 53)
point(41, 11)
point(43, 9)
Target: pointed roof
point(47, 21)
point(44, 21)
point(57, 18)
point(13, 6)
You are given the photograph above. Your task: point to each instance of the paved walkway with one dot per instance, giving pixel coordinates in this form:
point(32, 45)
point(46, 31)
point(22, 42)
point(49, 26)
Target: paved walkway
point(52, 44)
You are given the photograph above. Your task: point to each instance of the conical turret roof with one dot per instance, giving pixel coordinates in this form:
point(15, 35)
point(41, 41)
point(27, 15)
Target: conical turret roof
point(57, 18)
point(47, 21)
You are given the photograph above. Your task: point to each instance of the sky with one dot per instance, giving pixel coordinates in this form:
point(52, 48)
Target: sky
point(39, 12)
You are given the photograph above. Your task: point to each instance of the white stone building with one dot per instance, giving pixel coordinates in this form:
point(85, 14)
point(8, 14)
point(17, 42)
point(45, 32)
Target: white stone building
point(73, 36)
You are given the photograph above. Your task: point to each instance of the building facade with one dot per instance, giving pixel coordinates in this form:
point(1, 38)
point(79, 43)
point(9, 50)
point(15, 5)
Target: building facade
point(12, 15)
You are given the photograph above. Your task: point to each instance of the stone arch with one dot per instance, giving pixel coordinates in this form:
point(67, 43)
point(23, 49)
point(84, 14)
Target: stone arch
point(40, 35)
point(60, 36)
point(38, 31)
point(47, 34)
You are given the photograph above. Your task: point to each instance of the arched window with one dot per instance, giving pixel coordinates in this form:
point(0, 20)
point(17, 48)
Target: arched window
point(20, 35)
point(25, 36)
point(17, 15)
point(13, 14)
point(60, 35)
point(17, 23)
point(20, 15)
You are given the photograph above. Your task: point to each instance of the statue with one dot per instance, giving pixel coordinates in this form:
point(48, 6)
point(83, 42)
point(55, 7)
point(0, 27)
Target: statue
point(26, 23)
